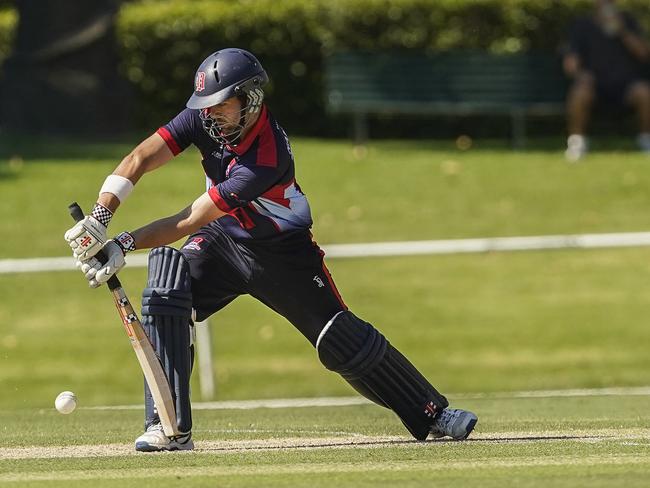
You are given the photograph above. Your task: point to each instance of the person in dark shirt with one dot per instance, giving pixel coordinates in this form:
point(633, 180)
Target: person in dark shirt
point(249, 233)
point(605, 59)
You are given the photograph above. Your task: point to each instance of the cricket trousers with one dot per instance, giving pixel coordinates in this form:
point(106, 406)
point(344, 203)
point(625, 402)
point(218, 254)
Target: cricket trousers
point(286, 273)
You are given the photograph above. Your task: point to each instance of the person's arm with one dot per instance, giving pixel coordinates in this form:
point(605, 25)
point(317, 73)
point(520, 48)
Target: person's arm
point(170, 229)
point(158, 233)
point(636, 44)
point(88, 235)
point(150, 154)
point(571, 64)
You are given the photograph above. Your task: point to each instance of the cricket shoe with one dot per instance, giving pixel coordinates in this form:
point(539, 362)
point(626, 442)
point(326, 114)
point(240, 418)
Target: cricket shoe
point(154, 439)
point(455, 423)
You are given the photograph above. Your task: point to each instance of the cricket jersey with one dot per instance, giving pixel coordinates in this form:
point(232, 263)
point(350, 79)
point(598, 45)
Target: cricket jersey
point(253, 182)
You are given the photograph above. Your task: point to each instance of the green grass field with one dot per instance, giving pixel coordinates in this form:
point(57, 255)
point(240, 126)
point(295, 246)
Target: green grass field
point(481, 327)
point(565, 442)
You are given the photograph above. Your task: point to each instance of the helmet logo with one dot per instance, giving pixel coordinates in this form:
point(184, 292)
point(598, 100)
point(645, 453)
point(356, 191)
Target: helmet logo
point(199, 82)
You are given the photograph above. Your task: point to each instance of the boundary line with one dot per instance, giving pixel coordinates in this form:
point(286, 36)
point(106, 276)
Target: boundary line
point(400, 248)
point(358, 400)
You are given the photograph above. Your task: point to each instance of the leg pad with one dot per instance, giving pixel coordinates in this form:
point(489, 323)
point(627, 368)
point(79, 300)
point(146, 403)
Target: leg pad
point(362, 355)
point(166, 318)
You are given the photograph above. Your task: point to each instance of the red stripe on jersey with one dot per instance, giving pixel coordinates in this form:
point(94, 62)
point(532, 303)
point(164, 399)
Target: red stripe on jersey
point(169, 139)
point(276, 194)
point(246, 143)
point(244, 220)
point(218, 200)
point(275, 224)
point(266, 151)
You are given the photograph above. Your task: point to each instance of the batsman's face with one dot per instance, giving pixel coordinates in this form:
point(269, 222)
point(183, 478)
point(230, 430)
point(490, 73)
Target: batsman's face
point(227, 114)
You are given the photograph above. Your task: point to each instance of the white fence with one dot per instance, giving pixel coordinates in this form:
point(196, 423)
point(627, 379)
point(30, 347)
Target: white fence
point(375, 249)
point(404, 248)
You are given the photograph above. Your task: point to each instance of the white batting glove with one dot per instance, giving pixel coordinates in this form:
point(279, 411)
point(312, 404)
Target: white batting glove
point(88, 236)
point(98, 273)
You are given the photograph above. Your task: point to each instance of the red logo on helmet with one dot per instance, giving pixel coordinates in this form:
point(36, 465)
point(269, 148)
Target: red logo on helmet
point(199, 83)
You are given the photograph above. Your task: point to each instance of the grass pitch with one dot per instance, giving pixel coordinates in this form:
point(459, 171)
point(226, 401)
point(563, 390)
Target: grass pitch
point(566, 441)
point(474, 324)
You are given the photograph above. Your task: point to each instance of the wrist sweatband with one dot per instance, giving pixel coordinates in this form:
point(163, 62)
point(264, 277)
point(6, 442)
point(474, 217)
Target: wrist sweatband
point(119, 186)
point(125, 241)
point(102, 214)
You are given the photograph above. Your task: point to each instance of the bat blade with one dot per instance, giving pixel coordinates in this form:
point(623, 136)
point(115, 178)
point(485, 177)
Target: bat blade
point(149, 363)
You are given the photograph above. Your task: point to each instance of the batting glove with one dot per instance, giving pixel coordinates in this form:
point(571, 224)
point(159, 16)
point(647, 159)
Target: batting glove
point(97, 272)
point(88, 236)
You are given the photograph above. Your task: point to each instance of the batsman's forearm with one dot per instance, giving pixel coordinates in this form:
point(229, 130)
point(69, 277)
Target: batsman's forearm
point(186, 222)
point(159, 233)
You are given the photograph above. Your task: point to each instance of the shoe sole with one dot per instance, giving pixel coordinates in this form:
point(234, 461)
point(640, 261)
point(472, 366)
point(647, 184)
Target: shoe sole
point(146, 447)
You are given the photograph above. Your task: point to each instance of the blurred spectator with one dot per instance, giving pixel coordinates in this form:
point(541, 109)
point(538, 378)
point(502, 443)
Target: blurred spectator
point(605, 59)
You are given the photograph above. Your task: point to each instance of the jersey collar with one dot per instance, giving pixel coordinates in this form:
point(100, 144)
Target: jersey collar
point(245, 144)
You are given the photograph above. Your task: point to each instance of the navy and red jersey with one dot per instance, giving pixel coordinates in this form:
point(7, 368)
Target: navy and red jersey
point(253, 182)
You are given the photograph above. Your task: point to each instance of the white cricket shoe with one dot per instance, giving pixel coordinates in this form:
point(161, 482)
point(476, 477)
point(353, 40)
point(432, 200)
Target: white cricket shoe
point(154, 439)
point(576, 148)
point(455, 423)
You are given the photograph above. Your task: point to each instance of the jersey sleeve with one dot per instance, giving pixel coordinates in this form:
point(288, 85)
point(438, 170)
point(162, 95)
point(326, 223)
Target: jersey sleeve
point(245, 184)
point(180, 132)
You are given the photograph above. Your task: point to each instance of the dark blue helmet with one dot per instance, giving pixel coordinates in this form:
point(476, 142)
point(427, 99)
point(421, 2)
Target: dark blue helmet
point(225, 74)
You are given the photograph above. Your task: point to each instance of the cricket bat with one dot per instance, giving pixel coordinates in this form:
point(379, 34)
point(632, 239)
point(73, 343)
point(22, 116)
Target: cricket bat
point(149, 362)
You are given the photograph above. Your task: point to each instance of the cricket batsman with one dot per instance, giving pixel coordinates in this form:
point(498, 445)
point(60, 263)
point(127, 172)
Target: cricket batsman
point(249, 233)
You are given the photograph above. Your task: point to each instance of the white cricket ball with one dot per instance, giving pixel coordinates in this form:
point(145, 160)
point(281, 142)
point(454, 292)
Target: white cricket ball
point(66, 402)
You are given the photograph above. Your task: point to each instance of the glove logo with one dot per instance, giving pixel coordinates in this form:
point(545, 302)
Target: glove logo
point(86, 241)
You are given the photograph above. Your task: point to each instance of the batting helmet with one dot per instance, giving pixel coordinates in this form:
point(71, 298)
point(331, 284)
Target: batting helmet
point(224, 74)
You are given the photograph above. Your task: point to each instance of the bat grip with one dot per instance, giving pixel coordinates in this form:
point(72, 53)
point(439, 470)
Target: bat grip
point(78, 215)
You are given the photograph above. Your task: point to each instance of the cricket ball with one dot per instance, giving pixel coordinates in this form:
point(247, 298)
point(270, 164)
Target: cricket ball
point(66, 402)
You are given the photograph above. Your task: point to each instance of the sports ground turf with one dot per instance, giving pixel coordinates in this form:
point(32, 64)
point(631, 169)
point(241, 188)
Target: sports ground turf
point(481, 327)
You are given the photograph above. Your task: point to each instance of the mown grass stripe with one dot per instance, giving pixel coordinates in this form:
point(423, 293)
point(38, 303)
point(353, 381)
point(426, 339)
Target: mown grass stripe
point(346, 441)
point(339, 467)
point(351, 401)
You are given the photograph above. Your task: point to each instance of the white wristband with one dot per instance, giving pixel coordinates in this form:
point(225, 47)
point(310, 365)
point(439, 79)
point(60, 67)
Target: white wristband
point(119, 186)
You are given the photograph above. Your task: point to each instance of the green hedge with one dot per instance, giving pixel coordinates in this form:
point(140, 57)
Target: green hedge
point(163, 41)
point(8, 21)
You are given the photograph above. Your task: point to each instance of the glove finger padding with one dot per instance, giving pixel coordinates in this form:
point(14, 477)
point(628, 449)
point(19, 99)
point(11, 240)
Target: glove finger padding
point(113, 264)
point(89, 268)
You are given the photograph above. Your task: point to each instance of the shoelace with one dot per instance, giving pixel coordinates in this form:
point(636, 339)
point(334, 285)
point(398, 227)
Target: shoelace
point(444, 418)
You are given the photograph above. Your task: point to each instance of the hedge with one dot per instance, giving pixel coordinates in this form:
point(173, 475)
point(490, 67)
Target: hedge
point(8, 20)
point(163, 41)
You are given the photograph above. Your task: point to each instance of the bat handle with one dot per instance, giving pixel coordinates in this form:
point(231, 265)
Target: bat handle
point(78, 215)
